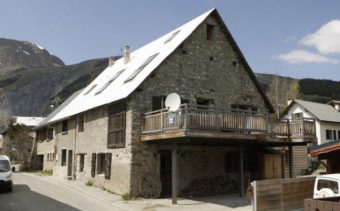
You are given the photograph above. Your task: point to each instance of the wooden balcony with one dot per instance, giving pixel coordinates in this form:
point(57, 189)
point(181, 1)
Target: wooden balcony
point(206, 122)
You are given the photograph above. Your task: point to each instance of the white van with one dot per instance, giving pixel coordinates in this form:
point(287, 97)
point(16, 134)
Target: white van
point(5, 174)
point(327, 185)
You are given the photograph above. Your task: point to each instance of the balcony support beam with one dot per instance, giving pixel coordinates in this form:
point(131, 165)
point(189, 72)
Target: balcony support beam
point(174, 173)
point(290, 159)
point(241, 171)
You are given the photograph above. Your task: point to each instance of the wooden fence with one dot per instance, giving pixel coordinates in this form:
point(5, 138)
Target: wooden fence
point(282, 194)
point(326, 204)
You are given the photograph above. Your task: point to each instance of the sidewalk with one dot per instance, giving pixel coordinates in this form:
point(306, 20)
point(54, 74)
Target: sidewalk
point(224, 202)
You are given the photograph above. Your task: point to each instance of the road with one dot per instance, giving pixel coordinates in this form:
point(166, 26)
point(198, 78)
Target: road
point(34, 193)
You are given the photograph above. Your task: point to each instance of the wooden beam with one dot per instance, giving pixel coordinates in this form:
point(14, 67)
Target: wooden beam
point(290, 159)
point(174, 173)
point(241, 171)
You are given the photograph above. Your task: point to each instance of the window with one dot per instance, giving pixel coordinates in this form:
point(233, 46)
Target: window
point(81, 162)
point(330, 134)
point(333, 185)
point(64, 127)
point(297, 115)
point(50, 133)
point(101, 163)
point(172, 36)
point(109, 82)
point(204, 102)
point(94, 86)
point(116, 125)
point(147, 61)
point(63, 157)
point(210, 31)
point(158, 102)
point(81, 118)
point(244, 108)
point(41, 134)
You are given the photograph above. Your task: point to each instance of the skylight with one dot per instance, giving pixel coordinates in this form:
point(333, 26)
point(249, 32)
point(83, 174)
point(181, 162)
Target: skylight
point(172, 36)
point(110, 81)
point(94, 86)
point(147, 61)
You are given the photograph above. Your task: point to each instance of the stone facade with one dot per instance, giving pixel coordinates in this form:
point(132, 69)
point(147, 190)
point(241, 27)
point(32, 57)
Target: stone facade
point(198, 68)
point(46, 149)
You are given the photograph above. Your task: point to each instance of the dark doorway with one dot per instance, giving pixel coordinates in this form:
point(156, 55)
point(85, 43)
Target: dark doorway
point(40, 162)
point(69, 164)
point(165, 172)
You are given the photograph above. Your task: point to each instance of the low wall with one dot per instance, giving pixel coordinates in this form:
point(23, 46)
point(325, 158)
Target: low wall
point(282, 194)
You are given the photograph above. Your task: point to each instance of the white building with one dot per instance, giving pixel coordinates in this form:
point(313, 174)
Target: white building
point(327, 117)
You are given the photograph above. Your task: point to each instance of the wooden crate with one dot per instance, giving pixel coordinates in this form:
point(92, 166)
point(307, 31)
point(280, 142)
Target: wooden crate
point(325, 204)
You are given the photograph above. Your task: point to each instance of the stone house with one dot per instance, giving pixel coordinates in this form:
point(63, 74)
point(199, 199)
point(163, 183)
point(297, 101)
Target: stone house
point(118, 133)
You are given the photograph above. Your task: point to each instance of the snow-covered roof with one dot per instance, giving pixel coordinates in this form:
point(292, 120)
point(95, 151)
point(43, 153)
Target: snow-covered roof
point(45, 123)
point(28, 121)
point(120, 80)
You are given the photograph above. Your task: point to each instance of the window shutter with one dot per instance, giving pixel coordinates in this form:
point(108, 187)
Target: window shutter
point(108, 158)
point(93, 165)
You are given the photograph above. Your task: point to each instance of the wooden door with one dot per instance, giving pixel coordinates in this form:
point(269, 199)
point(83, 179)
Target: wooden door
point(272, 166)
point(165, 172)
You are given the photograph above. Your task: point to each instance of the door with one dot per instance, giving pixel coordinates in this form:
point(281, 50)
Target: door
point(69, 164)
point(165, 172)
point(272, 166)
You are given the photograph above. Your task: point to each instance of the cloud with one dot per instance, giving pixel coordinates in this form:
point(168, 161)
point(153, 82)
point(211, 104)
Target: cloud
point(326, 39)
point(302, 56)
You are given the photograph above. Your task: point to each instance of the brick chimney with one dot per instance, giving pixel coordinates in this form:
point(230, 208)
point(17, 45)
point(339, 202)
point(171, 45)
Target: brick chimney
point(111, 61)
point(126, 54)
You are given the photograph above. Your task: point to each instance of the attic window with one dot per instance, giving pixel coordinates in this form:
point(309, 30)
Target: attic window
point(210, 31)
point(172, 36)
point(94, 86)
point(110, 81)
point(147, 61)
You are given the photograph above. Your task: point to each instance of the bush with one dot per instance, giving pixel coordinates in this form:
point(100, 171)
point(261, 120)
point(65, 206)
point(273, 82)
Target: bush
point(128, 196)
point(89, 183)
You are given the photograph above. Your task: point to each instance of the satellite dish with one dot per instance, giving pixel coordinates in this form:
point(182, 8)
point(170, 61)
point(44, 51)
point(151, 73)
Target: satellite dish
point(173, 102)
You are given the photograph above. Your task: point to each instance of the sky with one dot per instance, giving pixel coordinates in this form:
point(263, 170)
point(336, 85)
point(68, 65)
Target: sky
point(295, 38)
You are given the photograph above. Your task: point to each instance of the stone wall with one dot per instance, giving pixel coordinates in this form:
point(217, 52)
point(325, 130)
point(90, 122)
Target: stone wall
point(94, 140)
point(199, 68)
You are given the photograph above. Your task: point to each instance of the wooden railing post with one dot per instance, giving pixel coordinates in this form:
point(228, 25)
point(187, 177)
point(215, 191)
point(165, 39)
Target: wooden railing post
point(161, 121)
point(217, 121)
point(303, 127)
point(288, 129)
point(186, 116)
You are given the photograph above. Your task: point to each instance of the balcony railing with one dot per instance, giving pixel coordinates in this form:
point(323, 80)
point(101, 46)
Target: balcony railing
point(194, 118)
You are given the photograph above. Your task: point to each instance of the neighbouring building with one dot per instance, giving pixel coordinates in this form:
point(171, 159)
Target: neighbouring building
point(118, 133)
point(45, 144)
point(327, 119)
point(18, 138)
point(326, 116)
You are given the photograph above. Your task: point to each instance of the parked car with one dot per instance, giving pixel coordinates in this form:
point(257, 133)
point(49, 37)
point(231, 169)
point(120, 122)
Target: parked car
point(6, 183)
point(326, 186)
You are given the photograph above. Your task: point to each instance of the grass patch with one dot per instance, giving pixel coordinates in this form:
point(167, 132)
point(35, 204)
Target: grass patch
point(89, 183)
point(128, 197)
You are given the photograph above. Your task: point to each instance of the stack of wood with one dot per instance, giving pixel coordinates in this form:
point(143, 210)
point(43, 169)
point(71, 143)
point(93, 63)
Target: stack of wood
point(210, 186)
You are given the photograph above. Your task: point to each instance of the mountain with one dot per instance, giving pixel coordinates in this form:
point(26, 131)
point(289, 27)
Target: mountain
point(279, 89)
point(31, 80)
point(21, 54)
point(30, 83)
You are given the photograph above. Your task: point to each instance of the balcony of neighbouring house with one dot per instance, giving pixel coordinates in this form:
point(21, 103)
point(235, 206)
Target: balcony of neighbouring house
point(192, 121)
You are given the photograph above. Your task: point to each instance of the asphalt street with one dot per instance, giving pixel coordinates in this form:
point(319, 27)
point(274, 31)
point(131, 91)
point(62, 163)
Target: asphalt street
point(34, 193)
